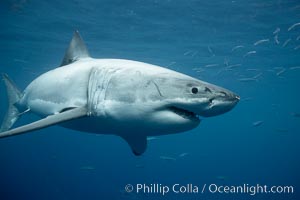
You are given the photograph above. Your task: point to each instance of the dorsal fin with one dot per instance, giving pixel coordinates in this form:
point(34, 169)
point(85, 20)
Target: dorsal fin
point(76, 50)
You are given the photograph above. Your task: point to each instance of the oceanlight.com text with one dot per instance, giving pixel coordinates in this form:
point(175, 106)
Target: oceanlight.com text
point(250, 189)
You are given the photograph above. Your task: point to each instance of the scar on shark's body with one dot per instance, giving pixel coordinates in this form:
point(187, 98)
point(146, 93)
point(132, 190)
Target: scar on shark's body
point(113, 96)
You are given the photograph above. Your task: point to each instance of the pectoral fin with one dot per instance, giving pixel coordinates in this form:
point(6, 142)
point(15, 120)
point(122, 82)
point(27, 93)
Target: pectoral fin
point(137, 143)
point(48, 121)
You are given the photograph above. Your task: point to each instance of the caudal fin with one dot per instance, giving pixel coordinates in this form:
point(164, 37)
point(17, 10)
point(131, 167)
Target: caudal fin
point(14, 96)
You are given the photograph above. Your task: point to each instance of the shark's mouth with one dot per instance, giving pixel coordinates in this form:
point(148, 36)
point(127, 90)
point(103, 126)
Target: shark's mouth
point(185, 113)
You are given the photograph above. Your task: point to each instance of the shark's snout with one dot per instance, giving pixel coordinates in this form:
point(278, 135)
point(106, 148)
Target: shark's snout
point(220, 102)
point(226, 96)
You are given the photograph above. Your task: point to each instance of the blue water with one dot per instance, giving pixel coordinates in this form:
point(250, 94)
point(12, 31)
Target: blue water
point(194, 37)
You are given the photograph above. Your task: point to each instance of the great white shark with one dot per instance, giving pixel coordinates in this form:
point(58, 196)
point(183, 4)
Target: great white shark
point(126, 98)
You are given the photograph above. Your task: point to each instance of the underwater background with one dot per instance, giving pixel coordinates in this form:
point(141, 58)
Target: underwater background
point(251, 47)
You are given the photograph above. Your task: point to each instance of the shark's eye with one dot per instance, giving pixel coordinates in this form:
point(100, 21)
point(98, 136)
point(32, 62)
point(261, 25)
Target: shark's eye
point(194, 90)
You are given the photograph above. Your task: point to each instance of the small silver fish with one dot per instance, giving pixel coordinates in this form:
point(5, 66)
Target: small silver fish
point(187, 53)
point(233, 66)
point(296, 67)
point(257, 123)
point(280, 72)
point(297, 47)
point(249, 53)
point(261, 41)
point(236, 47)
point(250, 79)
point(211, 65)
point(293, 26)
point(210, 50)
point(171, 63)
point(167, 158)
point(286, 42)
point(194, 54)
point(257, 75)
point(276, 39)
point(183, 154)
point(277, 30)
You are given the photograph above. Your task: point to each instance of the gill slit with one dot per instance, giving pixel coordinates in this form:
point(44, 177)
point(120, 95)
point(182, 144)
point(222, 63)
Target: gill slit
point(157, 88)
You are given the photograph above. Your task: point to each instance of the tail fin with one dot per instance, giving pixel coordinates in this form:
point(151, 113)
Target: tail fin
point(14, 96)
